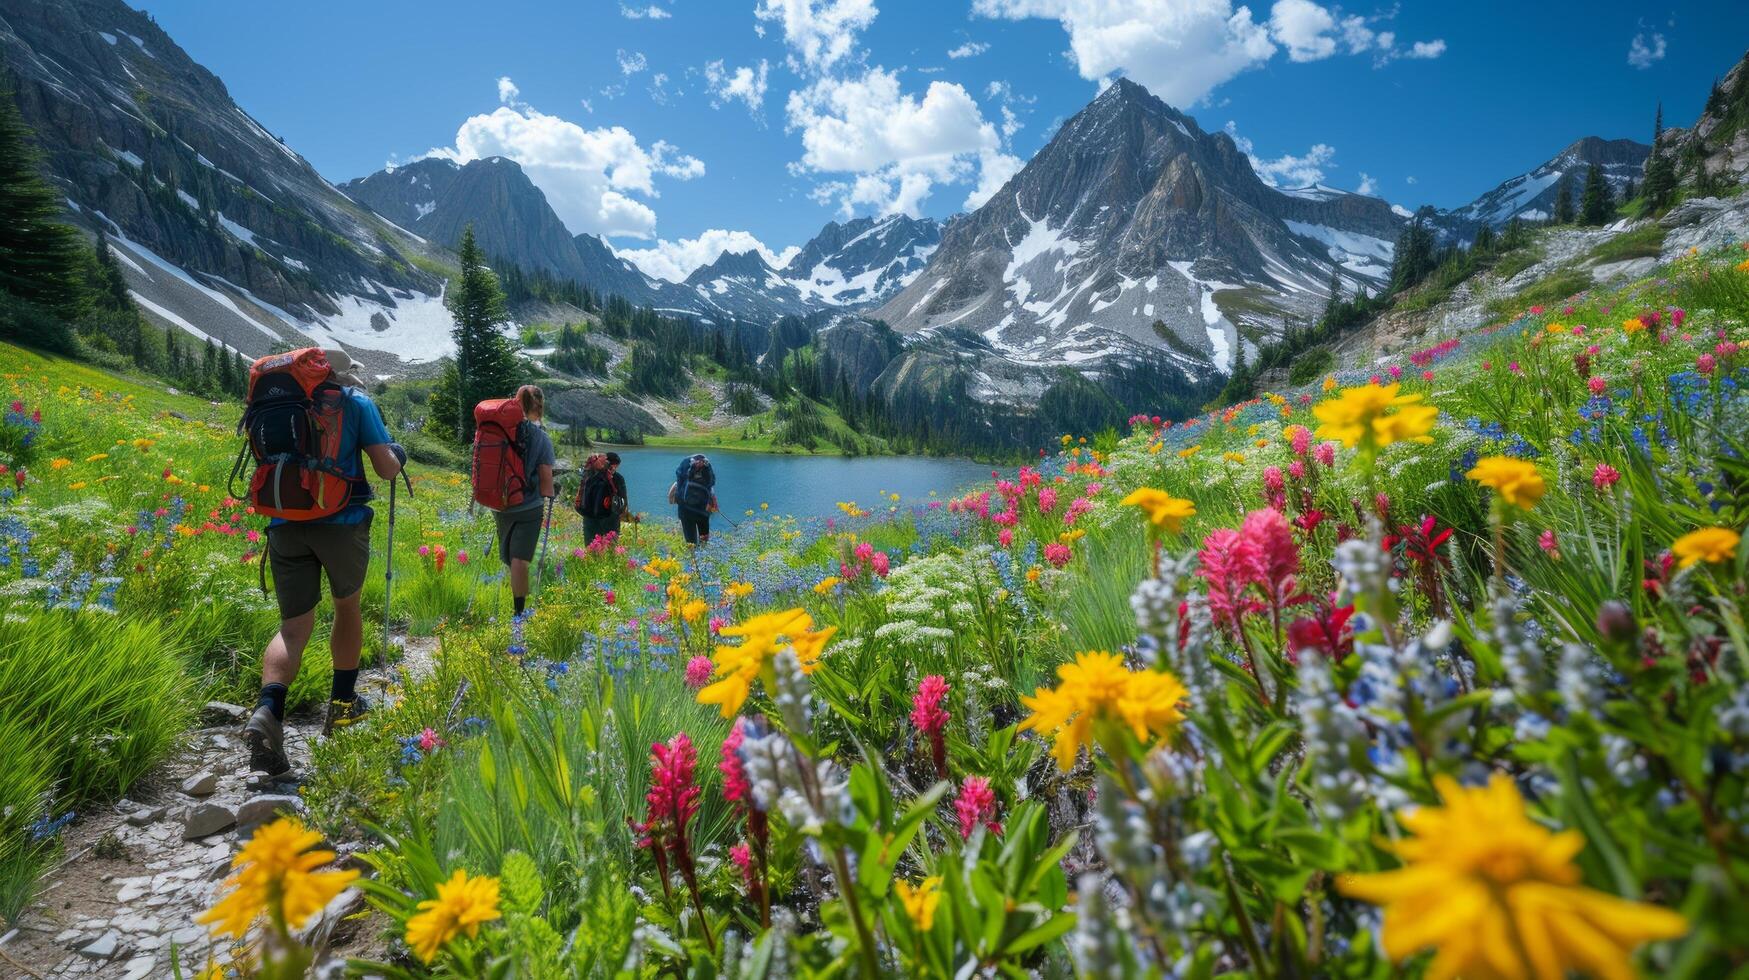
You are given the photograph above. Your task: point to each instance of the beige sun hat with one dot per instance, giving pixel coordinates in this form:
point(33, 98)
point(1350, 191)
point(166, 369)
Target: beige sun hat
point(345, 368)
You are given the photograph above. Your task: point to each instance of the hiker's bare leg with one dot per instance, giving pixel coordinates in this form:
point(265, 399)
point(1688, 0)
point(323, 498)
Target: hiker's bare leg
point(518, 577)
point(347, 639)
point(279, 663)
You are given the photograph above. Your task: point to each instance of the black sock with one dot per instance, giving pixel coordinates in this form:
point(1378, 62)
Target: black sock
point(273, 696)
point(344, 682)
point(520, 602)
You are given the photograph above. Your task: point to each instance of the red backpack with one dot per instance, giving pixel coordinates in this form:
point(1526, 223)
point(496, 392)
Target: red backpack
point(499, 475)
point(294, 420)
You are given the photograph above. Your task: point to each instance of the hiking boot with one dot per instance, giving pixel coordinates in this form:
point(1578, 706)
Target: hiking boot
point(344, 713)
point(265, 736)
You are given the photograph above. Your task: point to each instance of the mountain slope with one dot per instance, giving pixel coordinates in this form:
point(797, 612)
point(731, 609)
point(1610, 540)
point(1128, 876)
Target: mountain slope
point(220, 228)
point(1531, 195)
point(510, 216)
point(1132, 216)
point(863, 261)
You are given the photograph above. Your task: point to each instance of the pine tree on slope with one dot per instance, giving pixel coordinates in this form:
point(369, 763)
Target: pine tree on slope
point(1594, 202)
point(40, 255)
point(486, 364)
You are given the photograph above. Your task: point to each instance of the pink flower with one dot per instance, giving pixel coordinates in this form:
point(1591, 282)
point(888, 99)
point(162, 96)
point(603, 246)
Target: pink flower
point(1705, 364)
point(252, 537)
point(1597, 385)
point(931, 718)
point(1006, 537)
point(742, 855)
point(1604, 476)
point(425, 551)
point(864, 551)
point(1396, 371)
point(1047, 500)
point(1514, 368)
point(881, 564)
point(698, 672)
point(1593, 350)
point(1427, 376)
point(1274, 488)
point(717, 623)
point(1536, 311)
point(1229, 563)
point(607, 596)
point(1058, 554)
point(1297, 470)
point(1546, 541)
point(429, 740)
point(1678, 315)
point(1302, 440)
point(736, 788)
point(1325, 454)
point(461, 558)
point(1725, 350)
point(976, 804)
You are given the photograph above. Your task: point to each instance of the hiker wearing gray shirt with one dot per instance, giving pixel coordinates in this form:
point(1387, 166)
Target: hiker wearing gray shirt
point(519, 527)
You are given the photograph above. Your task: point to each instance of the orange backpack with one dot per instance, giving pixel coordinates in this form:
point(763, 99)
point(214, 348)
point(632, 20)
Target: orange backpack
point(294, 420)
point(500, 476)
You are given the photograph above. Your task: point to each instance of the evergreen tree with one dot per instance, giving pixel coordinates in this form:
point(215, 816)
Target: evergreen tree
point(1414, 257)
point(1484, 243)
point(1659, 183)
point(1334, 301)
point(486, 364)
point(1515, 234)
point(1563, 202)
point(1594, 202)
point(1715, 100)
point(209, 369)
point(41, 257)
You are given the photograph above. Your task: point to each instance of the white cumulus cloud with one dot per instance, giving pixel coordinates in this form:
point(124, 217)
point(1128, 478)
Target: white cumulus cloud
point(892, 146)
point(1181, 50)
point(1287, 170)
point(746, 83)
point(1304, 27)
point(589, 176)
point(970, 49)
point(652, 12)
point(631, 62)
point(507, 91)
point(1368, 186)
point(1646, 49)
point(820, 33)
point(675, 261)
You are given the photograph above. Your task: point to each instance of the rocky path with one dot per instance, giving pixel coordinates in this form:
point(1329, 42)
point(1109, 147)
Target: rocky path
point(122, 902)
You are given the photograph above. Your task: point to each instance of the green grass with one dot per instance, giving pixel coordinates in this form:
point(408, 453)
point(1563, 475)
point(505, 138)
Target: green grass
point(1557, 287)
point(1517, 260)
point(1641, 243)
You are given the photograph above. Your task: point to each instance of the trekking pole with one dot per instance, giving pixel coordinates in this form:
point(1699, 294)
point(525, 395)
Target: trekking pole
point(389, 560)
point(545, 532)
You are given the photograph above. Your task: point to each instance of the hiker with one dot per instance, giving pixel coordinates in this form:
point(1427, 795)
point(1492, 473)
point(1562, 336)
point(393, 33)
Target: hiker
point(310, 425)
point(600, 499)
point(694, 495)
point(622, 502)
point(512, 457)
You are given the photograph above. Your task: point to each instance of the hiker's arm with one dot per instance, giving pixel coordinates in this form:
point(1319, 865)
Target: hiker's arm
point(546, 480)
point(384, 459)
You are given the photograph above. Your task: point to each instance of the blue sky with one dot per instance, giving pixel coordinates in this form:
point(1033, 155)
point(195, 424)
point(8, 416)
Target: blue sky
point(679, 127)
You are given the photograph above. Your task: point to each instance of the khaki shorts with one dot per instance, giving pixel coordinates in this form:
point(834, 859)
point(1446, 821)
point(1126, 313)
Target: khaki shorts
point(301, 552)
point(518, 532)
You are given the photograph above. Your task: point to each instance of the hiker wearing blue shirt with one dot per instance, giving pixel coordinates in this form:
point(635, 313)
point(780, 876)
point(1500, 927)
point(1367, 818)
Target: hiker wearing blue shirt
point(301, 552)
point(694, 496)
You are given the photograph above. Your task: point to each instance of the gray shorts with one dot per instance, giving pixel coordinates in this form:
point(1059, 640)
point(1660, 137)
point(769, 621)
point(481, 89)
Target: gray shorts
point(518, 533)
point(300, 553)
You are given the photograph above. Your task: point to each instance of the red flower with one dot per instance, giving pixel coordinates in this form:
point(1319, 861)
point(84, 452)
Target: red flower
point(1421, 542)
point(736, 788)
point(1327, 632)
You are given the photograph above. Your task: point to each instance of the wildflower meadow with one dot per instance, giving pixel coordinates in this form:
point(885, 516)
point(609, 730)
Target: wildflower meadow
point(1436, 667)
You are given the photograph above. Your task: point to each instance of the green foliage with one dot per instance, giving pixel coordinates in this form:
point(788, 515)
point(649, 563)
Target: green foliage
point(1645, 242)
point(1596, 206)
point(40, 255)
point(1311, 366)
point(486, 364)
point(1554, 288)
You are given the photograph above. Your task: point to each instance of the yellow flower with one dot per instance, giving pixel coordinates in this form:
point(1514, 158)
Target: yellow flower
point(693, 610)
point(1362, 416)
point(736, 591)
point(764, 506)
point(826, 585)
point(1161, 508)
point(1713, 545)
point(143, 443)
point(1154, 448)
point(79, 485)
point(1633, 325)
point(60, 463)
point(1519, 483)
point(737, 667)
point(1233, 457)
point(1070, 537)
point(1556, 328)
point(1188, 451)
point(276, 865)
point(1329, 382)
point(1033, 573)
point(920, 900)
point(1097, 700)
point(462, 903)
point(1743, 266)
point(1068, 440)
point(1498, 895)
point(94, 457)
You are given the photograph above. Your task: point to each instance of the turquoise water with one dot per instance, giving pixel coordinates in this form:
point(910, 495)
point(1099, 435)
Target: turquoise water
point(800, 486)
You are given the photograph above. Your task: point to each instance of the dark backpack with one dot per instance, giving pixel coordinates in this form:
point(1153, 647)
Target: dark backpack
point(295, 417)
point(596, 499)
point(693, 484)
